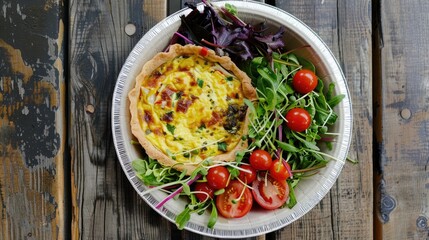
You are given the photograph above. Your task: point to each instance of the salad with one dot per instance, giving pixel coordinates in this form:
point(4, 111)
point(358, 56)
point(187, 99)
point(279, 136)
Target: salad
point(288, 123)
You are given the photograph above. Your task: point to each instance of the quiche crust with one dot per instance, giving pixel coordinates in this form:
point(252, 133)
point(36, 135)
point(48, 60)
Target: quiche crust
point(247, 91)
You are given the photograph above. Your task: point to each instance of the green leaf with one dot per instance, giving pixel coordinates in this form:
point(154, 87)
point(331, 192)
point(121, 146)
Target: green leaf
point(311, 145)
point(213, 216)
point(336, 100)
point(267, 73)
point(329, 145)
point(233, 171)
point(292, 57)
point(231, 9)
point(222, 146)
point(292, 198)
point(139, 165)
point(271, 99)
point(239, 155)
point(171, 128)
point(284, 70)
point(200, 82)
point(186, 189)
point(287, 147)
point(250, 105)
point(183, 218)
point(306, 64)
point(219, 192)
point(331, 89)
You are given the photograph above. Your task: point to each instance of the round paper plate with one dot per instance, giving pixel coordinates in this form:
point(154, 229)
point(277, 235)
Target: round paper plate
point(308, 192)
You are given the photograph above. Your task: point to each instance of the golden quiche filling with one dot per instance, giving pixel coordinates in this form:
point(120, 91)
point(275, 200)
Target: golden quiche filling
point(188, 105)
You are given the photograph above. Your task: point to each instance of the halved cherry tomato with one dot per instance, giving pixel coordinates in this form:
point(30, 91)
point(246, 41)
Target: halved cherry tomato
point(217, 177)
point(270, 195)
point(248, 176)
point(260, 159)
point(304, 81)
point(298, 119)
point(235, 202)
point(205, 189)
point(279, 171)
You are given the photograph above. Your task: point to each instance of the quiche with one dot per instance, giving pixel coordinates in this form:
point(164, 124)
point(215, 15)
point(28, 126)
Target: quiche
point(188, 106)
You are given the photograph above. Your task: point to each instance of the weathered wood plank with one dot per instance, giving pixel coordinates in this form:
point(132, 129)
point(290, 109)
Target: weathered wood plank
point(104, 203)
point(346, 213)
point(32, 120)
point(404, 110)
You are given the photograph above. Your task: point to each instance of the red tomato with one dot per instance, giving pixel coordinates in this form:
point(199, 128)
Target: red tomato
point(203, 187)
point(249, 176)
point(204, 52)
point(304, 81)
point(298, 119)
point(270, 195)
point(260, 160)
point(279, 171)
point(230, 205)
point(217, 177)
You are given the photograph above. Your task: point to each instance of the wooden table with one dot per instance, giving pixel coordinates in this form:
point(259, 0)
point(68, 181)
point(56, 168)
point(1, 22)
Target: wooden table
point(59, 174)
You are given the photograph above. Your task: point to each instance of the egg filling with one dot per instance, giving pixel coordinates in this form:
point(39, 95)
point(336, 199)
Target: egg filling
point(191, 109)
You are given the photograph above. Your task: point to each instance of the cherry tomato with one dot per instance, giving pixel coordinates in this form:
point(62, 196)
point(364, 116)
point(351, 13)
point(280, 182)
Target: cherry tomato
point(203, 187)
point(217, 177)
point(248, 176)
point(298, 119)
point(204, 52)
point(270, 195)
point(279, 171)
point(235, 202)
point(260, 160)
point(304, 81)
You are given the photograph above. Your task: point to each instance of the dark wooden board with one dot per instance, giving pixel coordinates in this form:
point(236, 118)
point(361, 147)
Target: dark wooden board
point(403, 206)
point(33, 192)
point(104, 203)
point(346, 212)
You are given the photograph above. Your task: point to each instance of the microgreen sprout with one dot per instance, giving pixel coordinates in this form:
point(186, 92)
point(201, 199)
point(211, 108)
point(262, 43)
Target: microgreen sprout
point(236, 200)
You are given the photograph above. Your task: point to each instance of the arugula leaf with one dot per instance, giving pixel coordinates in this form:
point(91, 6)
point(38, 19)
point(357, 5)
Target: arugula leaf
point(287, 147)
point(306, 64)
point(334, 101)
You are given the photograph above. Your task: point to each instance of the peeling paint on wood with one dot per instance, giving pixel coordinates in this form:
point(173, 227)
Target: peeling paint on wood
point(32, 120)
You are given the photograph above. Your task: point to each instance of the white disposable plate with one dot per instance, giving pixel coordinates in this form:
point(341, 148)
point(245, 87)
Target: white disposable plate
point(308, 192)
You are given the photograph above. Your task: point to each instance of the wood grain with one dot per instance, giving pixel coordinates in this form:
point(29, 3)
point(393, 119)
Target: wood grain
point(346, 212)
point(32, 120)
point(404, 205)
point(104, 203)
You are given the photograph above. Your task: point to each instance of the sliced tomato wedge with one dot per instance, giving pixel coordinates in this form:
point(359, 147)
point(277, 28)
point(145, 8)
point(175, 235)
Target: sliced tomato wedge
point(271, 194)
point(235, 202)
